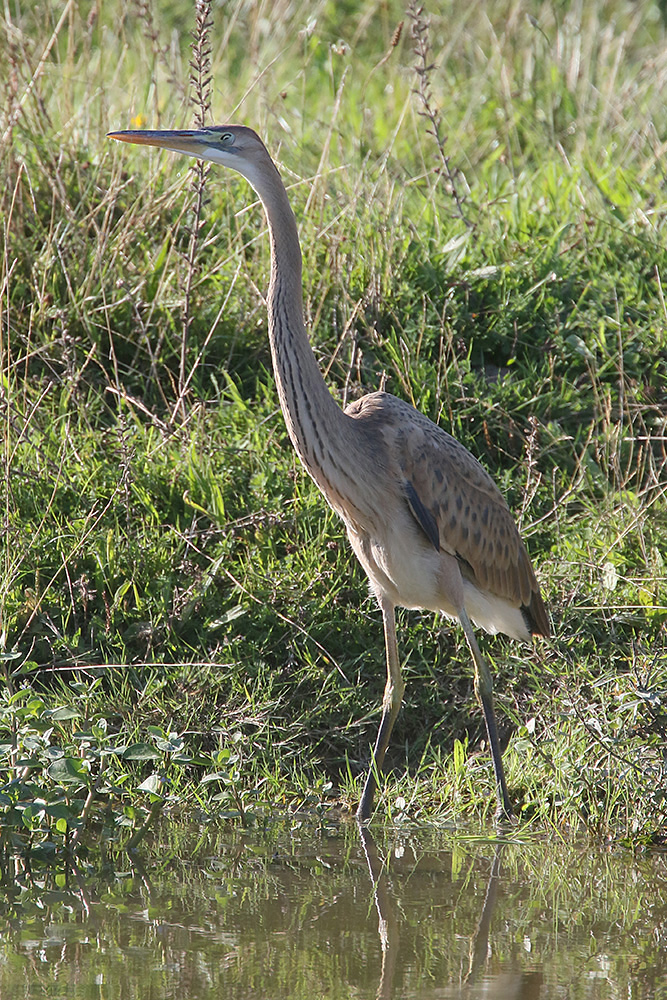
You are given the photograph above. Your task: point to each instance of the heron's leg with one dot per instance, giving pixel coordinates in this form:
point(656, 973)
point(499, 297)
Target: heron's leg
point(391, 703)
point(484, 692)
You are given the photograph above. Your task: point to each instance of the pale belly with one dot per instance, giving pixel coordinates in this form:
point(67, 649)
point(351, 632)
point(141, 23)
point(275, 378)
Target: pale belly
point(409, 572)
point(412, 574)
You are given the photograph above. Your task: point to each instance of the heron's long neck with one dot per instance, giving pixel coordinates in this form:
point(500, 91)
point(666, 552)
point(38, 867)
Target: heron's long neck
point(317, 426)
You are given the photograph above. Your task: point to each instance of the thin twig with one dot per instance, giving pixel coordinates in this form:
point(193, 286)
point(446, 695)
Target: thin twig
point(88, 804)
point(141, 831)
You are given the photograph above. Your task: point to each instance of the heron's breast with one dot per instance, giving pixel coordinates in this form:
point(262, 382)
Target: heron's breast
point(406, 568)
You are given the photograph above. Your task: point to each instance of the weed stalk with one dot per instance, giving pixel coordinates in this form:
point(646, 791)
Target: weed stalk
point(423, 68)
point(200, 80)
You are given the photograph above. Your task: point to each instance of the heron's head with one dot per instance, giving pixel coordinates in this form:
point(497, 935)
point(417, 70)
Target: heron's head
point(234, 146)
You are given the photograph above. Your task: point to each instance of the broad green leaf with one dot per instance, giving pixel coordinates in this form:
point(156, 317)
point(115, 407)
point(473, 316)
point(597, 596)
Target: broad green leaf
point(68, 771)
point(152, 784)
point(141, 751)
point(60, 714)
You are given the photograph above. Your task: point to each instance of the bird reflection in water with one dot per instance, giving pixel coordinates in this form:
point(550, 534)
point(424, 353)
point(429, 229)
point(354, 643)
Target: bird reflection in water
point(507, 985)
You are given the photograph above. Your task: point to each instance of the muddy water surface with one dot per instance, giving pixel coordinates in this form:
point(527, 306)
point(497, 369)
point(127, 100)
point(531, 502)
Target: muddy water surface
point(300, 912)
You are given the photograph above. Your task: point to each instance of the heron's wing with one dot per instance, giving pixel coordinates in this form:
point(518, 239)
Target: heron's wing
point(455, 501)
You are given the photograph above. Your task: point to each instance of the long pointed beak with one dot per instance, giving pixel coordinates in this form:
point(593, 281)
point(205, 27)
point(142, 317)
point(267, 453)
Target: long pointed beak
point(178, 140)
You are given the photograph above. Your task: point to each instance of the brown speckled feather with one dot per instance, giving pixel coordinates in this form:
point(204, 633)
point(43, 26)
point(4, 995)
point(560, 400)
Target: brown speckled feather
point(473, 520)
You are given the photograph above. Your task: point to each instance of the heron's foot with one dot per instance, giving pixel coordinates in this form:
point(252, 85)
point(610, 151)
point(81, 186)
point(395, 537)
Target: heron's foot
point(362, 816)
point(365, 807)
point(504, 818)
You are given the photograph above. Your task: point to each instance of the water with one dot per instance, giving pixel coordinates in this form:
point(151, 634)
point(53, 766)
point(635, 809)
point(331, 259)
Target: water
point(309, 913)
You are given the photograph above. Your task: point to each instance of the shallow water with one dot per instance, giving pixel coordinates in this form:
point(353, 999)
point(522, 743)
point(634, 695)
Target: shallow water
point(300, 912)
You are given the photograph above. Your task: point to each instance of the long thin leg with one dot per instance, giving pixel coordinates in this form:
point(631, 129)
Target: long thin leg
point(484, 692)
point(391, 703)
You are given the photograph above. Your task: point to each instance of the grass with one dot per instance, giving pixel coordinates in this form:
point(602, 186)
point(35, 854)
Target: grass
point(485, 235)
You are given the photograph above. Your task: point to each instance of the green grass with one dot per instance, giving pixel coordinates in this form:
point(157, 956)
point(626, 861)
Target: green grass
point(165, 561)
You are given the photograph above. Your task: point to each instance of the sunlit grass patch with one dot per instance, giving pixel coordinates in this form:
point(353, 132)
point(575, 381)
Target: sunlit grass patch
point(160, 542)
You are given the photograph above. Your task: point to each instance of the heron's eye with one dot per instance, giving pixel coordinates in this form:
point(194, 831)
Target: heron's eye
point(226, 137)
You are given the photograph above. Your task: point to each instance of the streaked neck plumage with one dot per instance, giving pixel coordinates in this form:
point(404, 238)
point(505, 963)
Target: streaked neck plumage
point(320, 431)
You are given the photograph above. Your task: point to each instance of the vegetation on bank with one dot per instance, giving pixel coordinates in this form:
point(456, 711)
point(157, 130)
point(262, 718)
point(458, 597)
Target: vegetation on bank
point(481, 198)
